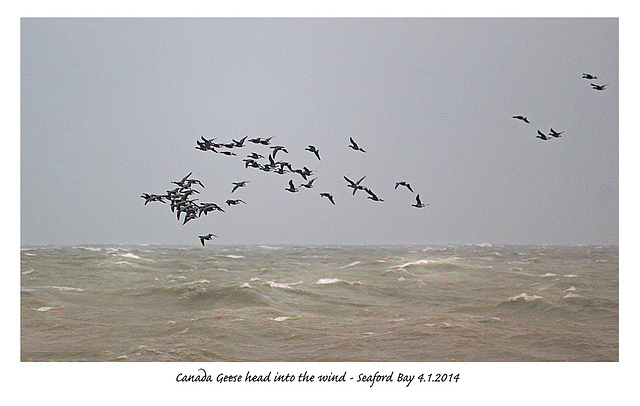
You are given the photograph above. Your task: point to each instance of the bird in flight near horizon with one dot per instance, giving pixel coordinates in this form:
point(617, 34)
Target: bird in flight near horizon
point(206, 237)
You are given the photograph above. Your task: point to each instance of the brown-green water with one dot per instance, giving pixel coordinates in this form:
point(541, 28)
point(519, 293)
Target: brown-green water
point(342, 303)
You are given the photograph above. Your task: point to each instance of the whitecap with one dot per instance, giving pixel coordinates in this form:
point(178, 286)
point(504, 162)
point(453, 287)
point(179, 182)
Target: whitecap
point(570, 276)
point(130, 255)
point(570, 295)
point(254, 279)
point(325, 281)
point(570, 289)
point(89, 249)
point(43, 309)
point(62, 288)
point(195, 282)
point(547, 275)
point(246, 285)
point(28, 272)
point(523, 297)
point(282, 285)
point(233, 256)
point(443, 261)
point(350, 265)
point(281, 318)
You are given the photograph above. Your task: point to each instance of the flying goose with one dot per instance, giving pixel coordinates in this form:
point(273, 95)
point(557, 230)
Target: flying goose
point(355, 146)
point(419, 203)
point(403, 183)
point(206, 237)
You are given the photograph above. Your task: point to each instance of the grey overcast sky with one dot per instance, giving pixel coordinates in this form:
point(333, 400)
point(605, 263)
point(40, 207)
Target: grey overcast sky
point(112, 108)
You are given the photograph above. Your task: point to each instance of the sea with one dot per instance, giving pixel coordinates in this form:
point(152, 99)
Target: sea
point(466, 303)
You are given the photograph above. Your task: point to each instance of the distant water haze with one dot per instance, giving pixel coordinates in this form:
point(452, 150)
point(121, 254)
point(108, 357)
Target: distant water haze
point(112, 108)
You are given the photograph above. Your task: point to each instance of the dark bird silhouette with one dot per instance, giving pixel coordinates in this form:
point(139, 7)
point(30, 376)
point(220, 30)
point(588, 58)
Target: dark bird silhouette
point(277, 148)
point(291, 187)
point(182, 182)
point(304, 172)
point(588, 76)
point(152, 198)
point(555, 134)
point(251, 162)
point(239, 144)
point(254, 155)
point(309, 184)
point(523, 118)
point(190, 182)
point(190, 215)
point(313, 149)
point(232, 202)
point(419, 203)
point(355, 146)
point(372, 195)
point(355, 185)
point(205, 208)
point(598, 87)
point(405, 184)
point(542, 136)
point(328, 196)
point(227, 152)
point(206, 237)
point(238, 185)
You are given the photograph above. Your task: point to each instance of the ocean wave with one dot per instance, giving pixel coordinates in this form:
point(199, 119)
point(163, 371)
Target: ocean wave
point(444, 263)
point(523, 297)
point(58, 288)
point(350, 265)
point(278, 285)
point(330, 281)
point(44, 308)
point(93, 249)
point(200, 294)
point(281, 318)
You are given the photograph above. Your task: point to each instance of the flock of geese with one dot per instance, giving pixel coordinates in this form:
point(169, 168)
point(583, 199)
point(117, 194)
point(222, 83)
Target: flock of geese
point(552, 133)
point(186, 206)
point(182, 199)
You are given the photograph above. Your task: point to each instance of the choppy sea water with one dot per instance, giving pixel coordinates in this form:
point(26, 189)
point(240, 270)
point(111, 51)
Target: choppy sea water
point(340, 303)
